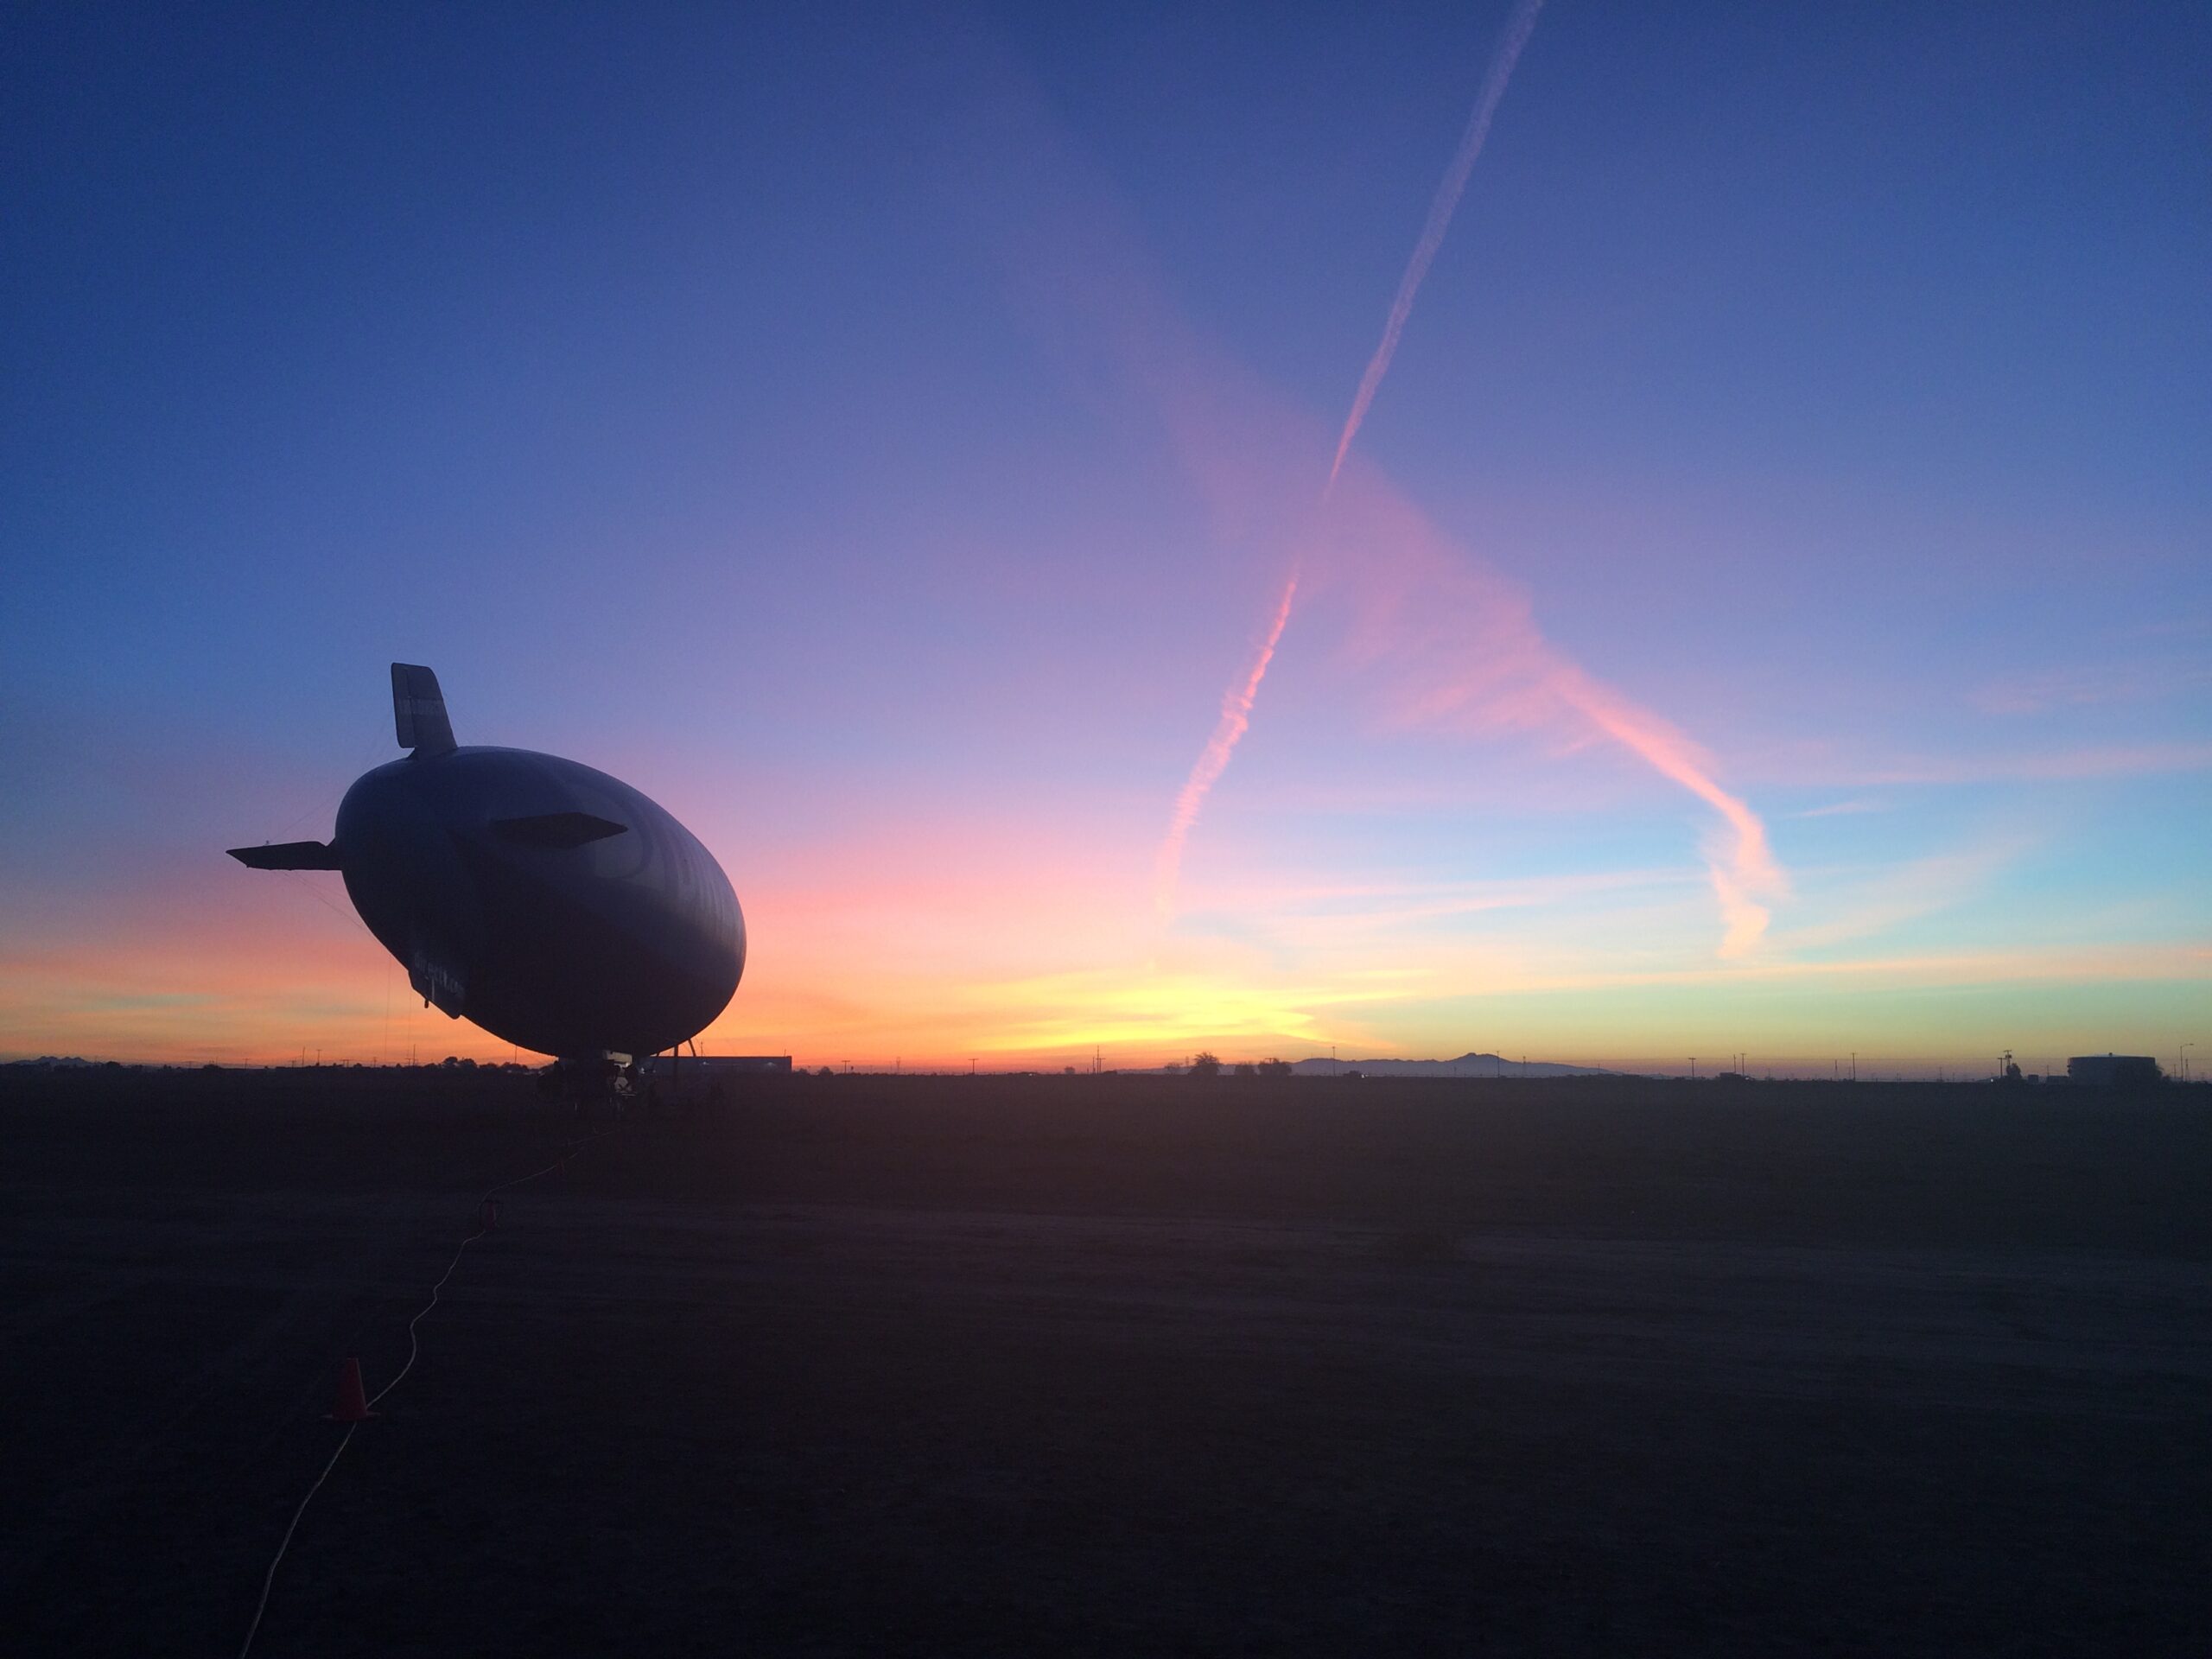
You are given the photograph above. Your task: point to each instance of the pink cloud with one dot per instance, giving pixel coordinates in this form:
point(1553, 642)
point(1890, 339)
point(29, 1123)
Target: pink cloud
point(1444, 639)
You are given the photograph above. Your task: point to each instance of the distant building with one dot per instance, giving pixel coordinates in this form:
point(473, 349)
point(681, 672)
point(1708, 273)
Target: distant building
point(2108, 1070)
point(722, 1065)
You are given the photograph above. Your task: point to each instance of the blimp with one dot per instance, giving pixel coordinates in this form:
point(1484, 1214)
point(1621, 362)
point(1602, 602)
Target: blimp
point(551, 904)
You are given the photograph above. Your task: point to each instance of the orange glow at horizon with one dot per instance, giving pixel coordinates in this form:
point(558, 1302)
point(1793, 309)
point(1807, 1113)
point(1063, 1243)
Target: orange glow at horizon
point(935, 952)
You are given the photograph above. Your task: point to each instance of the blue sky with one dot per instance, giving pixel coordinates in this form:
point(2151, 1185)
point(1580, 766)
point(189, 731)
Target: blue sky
point(883, 437)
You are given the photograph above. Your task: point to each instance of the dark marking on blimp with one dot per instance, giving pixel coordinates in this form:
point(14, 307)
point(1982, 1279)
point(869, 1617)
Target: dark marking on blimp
point(551, 904)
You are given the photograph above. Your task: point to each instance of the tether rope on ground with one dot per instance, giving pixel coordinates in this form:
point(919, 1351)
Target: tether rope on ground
point(414, 1349)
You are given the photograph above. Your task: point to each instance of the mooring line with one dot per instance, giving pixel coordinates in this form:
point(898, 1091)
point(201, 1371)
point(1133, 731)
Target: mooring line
point(414, 1349)
point(483, 1226)
point(269, 1578)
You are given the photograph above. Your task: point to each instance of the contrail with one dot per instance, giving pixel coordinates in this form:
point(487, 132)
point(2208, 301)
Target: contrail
point(1236, 705)
point(1743, 873)
point(1236, 715)
point(1518, 27)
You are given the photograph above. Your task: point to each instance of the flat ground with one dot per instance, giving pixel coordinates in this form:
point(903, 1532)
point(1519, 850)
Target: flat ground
point(1109, 1364)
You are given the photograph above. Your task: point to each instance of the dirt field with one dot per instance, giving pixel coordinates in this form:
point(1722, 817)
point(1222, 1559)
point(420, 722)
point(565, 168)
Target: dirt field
point(1110, 1364)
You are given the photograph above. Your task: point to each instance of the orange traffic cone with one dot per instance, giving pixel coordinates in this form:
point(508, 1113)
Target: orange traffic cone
point(351, 1406)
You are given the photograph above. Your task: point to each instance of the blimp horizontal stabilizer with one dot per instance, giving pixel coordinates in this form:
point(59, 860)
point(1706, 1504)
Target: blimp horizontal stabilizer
point(288, 855)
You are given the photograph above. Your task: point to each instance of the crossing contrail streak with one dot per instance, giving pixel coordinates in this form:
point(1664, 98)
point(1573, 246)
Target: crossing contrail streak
point(1517, 30)
point(1237, 705)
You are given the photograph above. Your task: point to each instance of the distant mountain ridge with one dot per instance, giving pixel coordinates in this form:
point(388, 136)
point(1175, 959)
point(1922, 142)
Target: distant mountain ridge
point(1467, 1065)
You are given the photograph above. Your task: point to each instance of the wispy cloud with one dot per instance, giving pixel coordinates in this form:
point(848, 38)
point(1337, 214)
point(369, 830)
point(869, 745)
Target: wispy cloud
point(2103, 964)
point(1420, 901)
point(1841, 809)
point(2057, 766)
point(1857, 769)
point(1888, 899)
point(2082, 685)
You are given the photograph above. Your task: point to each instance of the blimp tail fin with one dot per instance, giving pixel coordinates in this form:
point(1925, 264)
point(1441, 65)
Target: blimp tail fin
point(418, 711)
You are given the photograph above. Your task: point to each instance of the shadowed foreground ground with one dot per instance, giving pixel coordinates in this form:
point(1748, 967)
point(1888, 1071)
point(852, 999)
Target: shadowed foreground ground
point(1110, 1364)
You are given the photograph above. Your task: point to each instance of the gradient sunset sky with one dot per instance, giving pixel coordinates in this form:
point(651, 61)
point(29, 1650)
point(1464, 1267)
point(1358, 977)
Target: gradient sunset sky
point(1768, 607)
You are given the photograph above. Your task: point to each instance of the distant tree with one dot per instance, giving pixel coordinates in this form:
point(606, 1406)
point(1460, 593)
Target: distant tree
point(2011, 1071)
point(1274, 1068)
point(825, 1072)
point(1205, 1064)
point(1246, 1069)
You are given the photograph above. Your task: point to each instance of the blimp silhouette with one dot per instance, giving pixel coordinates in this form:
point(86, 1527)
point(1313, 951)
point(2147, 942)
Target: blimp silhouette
point(555, 906)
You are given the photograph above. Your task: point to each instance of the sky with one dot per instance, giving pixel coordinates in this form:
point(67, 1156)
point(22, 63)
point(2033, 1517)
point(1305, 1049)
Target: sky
point(1766, 608)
